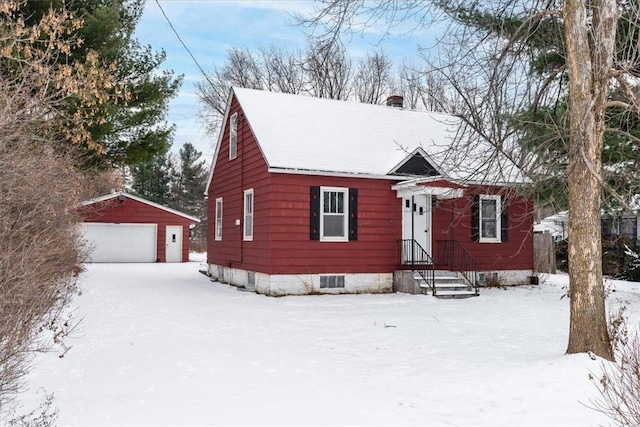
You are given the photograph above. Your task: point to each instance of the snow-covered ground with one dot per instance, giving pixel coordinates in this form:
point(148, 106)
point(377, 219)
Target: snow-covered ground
point(160, 344)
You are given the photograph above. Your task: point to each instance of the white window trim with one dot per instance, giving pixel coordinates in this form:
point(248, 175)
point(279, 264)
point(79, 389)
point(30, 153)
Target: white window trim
point(233, 136)
point(498, 238)
point(245, 236)
point(218, 219)
point(344, 238)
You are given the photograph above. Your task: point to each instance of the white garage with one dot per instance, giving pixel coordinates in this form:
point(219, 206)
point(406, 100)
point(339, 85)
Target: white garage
point(120, 242)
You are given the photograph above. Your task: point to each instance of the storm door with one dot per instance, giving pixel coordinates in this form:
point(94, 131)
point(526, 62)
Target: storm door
point(416, 225)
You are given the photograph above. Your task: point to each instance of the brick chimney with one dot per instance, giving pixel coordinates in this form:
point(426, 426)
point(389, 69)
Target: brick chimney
point(395, 101)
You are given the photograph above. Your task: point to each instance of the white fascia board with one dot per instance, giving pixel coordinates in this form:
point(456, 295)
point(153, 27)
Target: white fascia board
point(335, 174)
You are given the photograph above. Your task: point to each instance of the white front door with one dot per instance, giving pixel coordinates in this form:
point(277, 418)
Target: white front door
point(416, 221)
point(174, 243)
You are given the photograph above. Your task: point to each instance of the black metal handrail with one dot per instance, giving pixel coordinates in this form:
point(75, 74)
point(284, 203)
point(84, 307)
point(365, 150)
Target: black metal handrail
point(411, 253)
point(451, 255)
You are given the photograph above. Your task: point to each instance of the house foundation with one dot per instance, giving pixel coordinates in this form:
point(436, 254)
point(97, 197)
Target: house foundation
point(303, 284)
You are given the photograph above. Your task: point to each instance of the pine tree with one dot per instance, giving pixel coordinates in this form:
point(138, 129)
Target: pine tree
point(131, 126)
point(189, 187)
point(154, 178)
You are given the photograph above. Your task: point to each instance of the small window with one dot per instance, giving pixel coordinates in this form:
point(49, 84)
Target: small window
point(488, 278)
point(251, 278)
point(331, 282)
point(218, 230)
point(233, 136)
point(248, 214)
point(607, 226)
point(628, 227)
point(490, 214)
point(334, 221)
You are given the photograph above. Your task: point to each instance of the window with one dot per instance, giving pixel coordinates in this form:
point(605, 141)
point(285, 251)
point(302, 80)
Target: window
point(331, 282)
point(248, 214)
point(333, 216)
point(233, 136)
point(490, 214)
point(218, 231)
point(619, 227)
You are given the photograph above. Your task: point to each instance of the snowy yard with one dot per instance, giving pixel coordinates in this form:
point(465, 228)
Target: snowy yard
point(160, 344)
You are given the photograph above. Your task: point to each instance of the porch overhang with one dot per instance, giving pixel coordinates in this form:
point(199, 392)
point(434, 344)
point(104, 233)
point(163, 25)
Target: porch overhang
point(440, 191)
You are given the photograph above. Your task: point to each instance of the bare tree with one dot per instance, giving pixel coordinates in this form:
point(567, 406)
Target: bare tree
point(322, 70)
point(269, 69)
point(329, 70)
point(410, 85)
point(427, 87)
point(243, 69)
point(372, 81)
point(590, 49)
point(283, 70)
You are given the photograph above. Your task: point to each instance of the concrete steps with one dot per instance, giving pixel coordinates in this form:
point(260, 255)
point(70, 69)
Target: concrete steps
point(448, 285)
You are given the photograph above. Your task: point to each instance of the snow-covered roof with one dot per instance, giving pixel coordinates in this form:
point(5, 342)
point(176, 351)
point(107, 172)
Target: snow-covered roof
point(556, 224)
point(304, 134)
point(139, 199)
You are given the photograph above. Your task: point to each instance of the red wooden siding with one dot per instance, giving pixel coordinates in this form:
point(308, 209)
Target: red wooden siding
point(231, 178)
point(131, 211)
point(452, 219)
point(379, 227)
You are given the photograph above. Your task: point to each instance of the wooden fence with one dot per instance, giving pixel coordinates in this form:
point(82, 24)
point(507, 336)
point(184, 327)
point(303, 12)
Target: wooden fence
point(544, 253)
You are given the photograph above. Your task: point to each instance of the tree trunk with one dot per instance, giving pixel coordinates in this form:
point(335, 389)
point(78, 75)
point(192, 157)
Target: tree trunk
point(588, 67)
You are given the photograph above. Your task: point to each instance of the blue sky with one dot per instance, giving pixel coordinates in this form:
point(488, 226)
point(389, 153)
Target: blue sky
point(211, 27)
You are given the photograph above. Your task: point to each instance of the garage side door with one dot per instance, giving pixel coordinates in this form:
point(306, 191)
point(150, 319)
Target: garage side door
point(120, 242)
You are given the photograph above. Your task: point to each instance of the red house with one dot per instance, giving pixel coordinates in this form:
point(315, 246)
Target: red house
point(310, 195)
point(121, 227)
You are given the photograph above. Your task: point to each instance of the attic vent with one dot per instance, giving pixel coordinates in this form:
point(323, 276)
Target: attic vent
point(395, 101)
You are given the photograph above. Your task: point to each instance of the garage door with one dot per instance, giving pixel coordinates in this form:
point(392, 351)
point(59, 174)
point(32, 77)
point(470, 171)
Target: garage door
point(120, 242)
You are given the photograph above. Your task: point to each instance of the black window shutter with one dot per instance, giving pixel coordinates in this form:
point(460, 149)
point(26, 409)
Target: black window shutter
point(314, 213)
point(504, 219)
point(475, 218)
point(353, 214)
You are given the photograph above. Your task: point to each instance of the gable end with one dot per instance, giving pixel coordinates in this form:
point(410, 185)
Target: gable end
point(416, 165)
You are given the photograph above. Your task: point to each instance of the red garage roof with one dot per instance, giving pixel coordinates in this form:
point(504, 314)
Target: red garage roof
point(139, 199)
